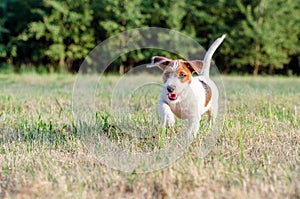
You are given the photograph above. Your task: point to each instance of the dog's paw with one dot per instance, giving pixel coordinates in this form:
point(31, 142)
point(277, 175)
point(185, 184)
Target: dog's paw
point(195, 134)
point(171, 122)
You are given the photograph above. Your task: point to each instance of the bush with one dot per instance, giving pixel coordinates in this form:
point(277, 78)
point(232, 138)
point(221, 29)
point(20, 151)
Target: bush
point(6, 68)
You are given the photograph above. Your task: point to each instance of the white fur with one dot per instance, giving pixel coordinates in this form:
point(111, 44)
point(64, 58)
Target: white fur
point(190, 102)
point(188, 105)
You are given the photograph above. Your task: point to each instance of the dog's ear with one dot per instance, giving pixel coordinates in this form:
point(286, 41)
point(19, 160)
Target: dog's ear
point(161, 62)
point(195, 66)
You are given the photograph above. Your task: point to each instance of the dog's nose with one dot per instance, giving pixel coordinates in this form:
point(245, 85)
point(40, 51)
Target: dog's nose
point(171, 88)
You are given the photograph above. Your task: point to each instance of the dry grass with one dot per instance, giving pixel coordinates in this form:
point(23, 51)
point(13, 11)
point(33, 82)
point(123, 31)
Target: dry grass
point(256, 155)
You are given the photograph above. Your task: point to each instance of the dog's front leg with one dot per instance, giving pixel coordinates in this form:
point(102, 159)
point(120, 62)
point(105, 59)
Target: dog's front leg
point(193, 127)
point(166, 114)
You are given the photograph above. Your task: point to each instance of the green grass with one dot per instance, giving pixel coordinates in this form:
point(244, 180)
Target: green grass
point(42, 151)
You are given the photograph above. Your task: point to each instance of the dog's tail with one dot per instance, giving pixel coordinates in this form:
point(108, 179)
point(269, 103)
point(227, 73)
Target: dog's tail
point(209, 54)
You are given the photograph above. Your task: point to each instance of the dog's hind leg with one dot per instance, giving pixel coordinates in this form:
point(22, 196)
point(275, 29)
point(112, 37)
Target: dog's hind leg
point(210, 117)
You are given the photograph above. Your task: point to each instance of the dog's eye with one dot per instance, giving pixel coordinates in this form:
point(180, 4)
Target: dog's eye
point(181, 75)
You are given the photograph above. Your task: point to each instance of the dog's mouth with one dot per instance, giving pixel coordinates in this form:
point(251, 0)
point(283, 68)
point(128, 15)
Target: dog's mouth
point(172, 96)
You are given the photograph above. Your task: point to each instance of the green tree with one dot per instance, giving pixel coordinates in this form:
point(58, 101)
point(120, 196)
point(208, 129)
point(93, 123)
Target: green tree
point(262, 36)
point(206, 20)
point(66, 27)
point(116, 16)
point(6, 50)
point(270, 32)
point(14, 17)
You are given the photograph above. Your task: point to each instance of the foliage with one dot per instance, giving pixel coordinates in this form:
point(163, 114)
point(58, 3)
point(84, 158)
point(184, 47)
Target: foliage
point(271, 31)
point(262, 36)
point(65, 27)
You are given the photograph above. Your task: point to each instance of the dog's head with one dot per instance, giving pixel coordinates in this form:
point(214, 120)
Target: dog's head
point(177, 74)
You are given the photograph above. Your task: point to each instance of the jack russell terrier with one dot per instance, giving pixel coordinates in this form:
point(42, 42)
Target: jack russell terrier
point(186, 96)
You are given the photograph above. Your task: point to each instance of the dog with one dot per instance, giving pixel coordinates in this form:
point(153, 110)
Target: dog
point(186, 96)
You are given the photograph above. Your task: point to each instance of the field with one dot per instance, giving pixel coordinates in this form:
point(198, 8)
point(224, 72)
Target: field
point(43, 154)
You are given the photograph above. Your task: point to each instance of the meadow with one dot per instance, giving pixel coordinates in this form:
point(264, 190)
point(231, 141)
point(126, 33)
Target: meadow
point(42, 155)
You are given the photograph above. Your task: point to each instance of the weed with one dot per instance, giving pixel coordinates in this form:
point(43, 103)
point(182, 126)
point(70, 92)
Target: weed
point(42, 147)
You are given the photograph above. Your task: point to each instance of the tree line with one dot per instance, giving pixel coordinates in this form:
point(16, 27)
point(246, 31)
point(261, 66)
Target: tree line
point(54, 35)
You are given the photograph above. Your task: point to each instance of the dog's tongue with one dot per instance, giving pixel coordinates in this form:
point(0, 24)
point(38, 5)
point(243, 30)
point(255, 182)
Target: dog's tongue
point(172, 96)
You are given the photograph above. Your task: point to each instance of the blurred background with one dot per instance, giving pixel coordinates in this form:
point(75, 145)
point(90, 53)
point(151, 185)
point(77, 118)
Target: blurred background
point(48, 36)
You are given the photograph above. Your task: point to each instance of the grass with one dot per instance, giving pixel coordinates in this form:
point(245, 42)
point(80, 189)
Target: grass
point(42, 151)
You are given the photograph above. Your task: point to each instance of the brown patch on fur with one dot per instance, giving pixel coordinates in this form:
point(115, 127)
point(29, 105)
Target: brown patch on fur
point(183, 70)
point(195, 66)
point(207, 93)
point(163, 61)
point(167, 73)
